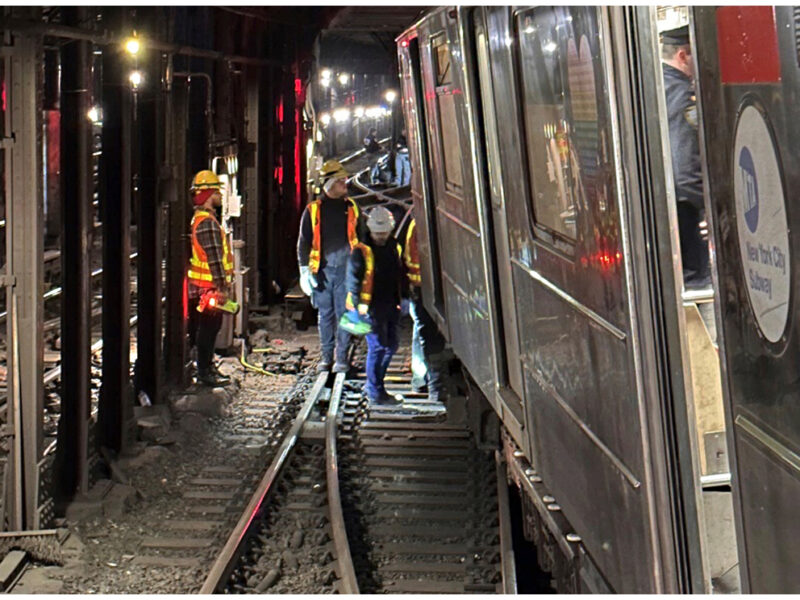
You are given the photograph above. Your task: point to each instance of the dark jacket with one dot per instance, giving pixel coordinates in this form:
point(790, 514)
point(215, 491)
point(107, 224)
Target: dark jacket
point(388, 278)
point(333, 231)
point(371, 144)
point(684, 145)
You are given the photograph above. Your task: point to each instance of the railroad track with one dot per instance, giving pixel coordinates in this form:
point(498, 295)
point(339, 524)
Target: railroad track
point(373, 500)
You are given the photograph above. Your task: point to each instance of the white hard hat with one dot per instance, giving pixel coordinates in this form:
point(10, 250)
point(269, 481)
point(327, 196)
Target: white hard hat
point(380, 220)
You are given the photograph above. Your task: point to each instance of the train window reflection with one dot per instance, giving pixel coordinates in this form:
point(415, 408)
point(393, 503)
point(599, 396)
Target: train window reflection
point(448, 124)
point(560, 112)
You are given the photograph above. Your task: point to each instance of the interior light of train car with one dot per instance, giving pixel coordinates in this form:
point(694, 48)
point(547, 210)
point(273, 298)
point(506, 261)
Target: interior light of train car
point(373, 112)
point(324, 118)
point(359, 112)
point(550, 47)
point(390, 96)
point(344, 78)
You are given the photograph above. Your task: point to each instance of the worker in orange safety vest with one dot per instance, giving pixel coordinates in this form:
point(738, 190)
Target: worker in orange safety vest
point(210, 272)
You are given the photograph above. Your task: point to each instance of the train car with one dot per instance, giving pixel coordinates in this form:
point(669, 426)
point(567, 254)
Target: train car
point(547, 218)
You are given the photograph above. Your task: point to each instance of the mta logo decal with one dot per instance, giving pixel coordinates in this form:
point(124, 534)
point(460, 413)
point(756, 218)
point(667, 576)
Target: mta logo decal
point(747, 171)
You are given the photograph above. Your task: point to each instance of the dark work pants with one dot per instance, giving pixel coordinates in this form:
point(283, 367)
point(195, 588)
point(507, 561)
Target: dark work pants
point(694, 250)
point(203, 330)
point(430, 344)
point(381, 345)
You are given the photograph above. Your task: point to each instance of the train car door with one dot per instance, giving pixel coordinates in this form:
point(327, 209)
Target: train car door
point(748, 84)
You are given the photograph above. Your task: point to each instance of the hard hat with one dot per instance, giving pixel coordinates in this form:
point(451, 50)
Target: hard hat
point(332, 169)
point(205, 180)
point(380, 220)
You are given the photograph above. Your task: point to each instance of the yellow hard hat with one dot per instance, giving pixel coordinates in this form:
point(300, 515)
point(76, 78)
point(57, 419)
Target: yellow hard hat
point(205, 180)
point(332, 169)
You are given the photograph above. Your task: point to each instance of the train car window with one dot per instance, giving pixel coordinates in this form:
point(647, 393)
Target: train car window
point(448, 123)
point(560, 113)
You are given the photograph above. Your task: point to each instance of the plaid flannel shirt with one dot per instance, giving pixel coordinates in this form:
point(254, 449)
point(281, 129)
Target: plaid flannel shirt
point(209, 236)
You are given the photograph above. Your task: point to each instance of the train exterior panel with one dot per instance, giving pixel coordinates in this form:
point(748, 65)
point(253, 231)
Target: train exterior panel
point(748, 83)
point(554, 286)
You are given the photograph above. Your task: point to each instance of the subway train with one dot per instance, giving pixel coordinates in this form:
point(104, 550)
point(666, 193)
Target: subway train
point(661, 424)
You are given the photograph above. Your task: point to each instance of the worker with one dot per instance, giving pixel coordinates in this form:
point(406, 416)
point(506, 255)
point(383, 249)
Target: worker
point(328, 232)
point(210, 271)
point(375, 288)
point(678, 66)
point(427, 343)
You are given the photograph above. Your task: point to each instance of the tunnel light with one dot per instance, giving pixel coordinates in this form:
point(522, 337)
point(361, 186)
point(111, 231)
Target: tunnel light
point(325, 118)
point(94, 114)
point(341, 115)
point(136, 79)
point(132, 46)
point(373, 112)
point(359, 111)
point(325, 74)
point(390, 96)
point(344, 78)
point(549, 47)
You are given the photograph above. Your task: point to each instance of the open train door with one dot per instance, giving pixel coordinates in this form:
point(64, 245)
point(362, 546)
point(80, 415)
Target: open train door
point(748, 85)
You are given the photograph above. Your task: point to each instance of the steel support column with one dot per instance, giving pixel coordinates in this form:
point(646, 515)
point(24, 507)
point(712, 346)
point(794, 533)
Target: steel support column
point(252, 180)
point(24, 281)
point(115, 198)
point(148, 361)
point(71, 470)
point(177, 234)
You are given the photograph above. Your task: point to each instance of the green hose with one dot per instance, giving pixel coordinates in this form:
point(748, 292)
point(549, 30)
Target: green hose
point(247, 365)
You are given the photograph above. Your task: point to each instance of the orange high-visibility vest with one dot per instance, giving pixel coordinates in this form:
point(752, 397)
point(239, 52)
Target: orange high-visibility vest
point(199, 271)
point(316, 242)
point(411, 255)
point(365, 296)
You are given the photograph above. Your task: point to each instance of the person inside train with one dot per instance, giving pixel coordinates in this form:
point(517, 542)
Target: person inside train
point(427, 343)
point(375, 288)
point(678, 68)
point(329, 230)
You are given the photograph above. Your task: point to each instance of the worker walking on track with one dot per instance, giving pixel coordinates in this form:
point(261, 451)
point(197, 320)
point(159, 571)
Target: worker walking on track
point(328, 232)
point(427, 343)
point(210, 275)
point(374, 287)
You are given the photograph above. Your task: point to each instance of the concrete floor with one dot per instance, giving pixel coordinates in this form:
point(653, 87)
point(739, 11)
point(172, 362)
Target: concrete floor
point(721, 542)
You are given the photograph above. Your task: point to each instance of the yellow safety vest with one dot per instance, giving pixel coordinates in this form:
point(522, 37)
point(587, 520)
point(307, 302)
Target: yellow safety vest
point(365, 297)
point(316, 241)
point(199, 271)
point(411, 255)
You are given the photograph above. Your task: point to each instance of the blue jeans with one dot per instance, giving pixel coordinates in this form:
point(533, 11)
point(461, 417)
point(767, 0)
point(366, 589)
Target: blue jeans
point(426, 344)
point(329, 298)
point(402, 169)
point(381, 345)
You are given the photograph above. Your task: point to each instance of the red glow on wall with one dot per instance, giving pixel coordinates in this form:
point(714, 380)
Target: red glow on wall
point(280, 111)
point(185, 299)
point(279, 174)
point(298, 87)
point(3, 94)
point(299, 97)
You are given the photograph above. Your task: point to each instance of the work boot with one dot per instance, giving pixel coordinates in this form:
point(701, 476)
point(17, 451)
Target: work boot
point(341, 367)
point(386, 399)
point(323, 365)
point(223, 379)
point(210, 379)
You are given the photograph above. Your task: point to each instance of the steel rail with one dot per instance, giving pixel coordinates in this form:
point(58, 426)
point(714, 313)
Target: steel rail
point(347, 582)
point(507, 562)
point(225, 562)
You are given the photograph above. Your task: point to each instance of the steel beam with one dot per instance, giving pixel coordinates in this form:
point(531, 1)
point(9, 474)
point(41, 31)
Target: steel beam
point(252, 180)
point(177, 234)
point(115, 203)
point(24, 280)
point(71, 470)
point(149, 133)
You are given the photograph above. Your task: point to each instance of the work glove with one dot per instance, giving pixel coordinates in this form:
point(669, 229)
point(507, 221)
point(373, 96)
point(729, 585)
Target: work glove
point(308, 282)
point(348, 302)
point(703, 226)
point(363, 309)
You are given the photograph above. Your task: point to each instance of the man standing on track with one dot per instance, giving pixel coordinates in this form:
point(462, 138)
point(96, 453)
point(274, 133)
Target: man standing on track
point(210, 271)
point(328, 232)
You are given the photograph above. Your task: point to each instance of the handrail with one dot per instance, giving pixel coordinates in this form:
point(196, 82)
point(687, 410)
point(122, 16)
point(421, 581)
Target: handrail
point(347, 574)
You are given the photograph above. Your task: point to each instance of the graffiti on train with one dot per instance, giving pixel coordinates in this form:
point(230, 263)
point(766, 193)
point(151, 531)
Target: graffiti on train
point(761, 223)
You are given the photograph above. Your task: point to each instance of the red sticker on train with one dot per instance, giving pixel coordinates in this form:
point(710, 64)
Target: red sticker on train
point(747, 39)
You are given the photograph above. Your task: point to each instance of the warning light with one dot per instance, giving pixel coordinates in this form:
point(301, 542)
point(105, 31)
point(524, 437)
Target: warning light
point(404, 43)
point(212, 302)
point(132, 46)
point(135, 79)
